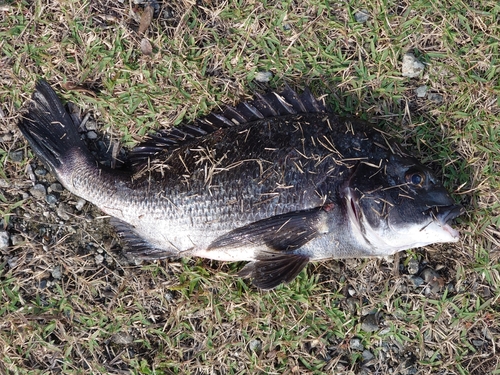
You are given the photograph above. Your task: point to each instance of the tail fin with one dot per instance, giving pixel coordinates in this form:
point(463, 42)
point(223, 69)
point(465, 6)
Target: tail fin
point(49, 129)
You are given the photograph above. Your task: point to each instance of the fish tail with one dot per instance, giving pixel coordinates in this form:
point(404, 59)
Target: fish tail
point(51, 132)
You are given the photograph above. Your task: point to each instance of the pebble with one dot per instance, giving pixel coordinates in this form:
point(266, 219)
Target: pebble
point(12, 262)
point(56, 188)
point(4, 239)
point(16, 156)
point(417, 281)
point(478, 343)
point(62, 212)
point(79, 204)
point(99, 258)
point(367, 355)
point(122, 338)
point(40, 171)
point(362, 16)
point(421, 91)
point(263, 76)
point(38, 191)
point(413, 266)
point(17, 239)
point(56, 272)
point(51, 199)
point(91, 135)
point(255, 345)
point(411, 66)
point(370, 323)
point(169, 296)
point(355, 344)
point(431, 277)
point(436, 98)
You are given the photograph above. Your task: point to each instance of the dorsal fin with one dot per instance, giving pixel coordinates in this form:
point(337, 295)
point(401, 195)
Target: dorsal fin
point(288, 102)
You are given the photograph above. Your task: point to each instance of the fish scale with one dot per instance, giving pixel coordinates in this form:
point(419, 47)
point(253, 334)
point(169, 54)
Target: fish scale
point(278, 182)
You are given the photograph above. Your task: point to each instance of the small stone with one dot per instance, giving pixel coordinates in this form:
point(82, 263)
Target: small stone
point(51, 199)
point(4, 239)
point(91, 135)
point(477, 343)
point(413, 266)
point(16, 156)
point(263, 76)
point(436, 98)
point(169, 296)
point(370, 323)
point(417, 281)
point(79, 204)
point(38, 191)
point(62, 212)
point(421, 91)
point(12, 262)
point(56, 188)
point(355, 344)
point(40, 171)
point(146, 47)
point(411, 66)
point(122, 338)
point(56, 272)
point(433, 279)
point(351, 291)
point(99, 258)
point(362, 16)
point(255, 345)
point(17, 239)
point(6, 137)
point(367, 355)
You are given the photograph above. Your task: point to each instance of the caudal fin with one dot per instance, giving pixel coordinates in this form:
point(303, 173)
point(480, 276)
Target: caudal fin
point(50, 131)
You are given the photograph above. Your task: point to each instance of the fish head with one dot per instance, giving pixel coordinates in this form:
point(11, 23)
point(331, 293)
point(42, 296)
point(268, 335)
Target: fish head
point(397, 203)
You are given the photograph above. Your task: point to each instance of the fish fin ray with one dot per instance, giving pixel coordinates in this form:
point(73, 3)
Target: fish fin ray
point(263, 106)
point(280, 233)
point(138, 247)
point(272, 269)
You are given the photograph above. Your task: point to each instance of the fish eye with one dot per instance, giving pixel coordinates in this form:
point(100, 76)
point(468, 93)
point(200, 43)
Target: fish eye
point(415, 178)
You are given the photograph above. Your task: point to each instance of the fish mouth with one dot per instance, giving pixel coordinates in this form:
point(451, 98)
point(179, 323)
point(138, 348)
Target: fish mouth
point(445, 215)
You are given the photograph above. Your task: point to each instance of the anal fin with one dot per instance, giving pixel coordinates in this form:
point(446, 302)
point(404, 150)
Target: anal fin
point(272, 269)
point(138, 247)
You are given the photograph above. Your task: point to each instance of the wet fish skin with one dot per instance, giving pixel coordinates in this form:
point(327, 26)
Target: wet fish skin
point(289, 184)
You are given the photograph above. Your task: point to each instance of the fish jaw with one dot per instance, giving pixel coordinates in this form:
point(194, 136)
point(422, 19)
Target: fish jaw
point(388, 239)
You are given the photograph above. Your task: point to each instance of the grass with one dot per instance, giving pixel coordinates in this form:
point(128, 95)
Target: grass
point(193, 316)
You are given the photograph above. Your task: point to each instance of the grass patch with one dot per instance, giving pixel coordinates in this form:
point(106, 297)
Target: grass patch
point(102, 315)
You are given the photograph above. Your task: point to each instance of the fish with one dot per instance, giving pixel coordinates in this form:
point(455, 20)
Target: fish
point(278, 182)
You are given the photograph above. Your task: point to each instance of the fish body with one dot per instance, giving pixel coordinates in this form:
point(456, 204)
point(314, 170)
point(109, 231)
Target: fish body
point(277, 182)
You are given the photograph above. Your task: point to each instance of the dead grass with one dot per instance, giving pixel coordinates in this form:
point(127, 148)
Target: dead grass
point(102, 315)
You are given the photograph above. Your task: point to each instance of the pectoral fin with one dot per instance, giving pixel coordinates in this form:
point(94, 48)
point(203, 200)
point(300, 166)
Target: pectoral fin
point(273, 269)
point(280, 233)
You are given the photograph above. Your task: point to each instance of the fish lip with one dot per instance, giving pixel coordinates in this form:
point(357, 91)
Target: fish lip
point(446, 214)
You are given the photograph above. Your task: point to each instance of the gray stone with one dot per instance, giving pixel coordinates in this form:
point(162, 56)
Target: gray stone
point(56, 187)
point(436, 98)
point(355, 344)
point(263, 76)
point(51, 199)
point(421, 91)
point(370, 323)
point(255, 345)
point(16, 156)
point(40, 171)
point(367, 355)
point(362, 16)
point(411, 66)
point(38, 191)
point(56, 272)
point(4, 239)
point(413, 266)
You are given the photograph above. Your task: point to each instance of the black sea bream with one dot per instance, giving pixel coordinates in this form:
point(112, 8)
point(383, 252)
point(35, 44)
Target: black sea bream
point(278, 182)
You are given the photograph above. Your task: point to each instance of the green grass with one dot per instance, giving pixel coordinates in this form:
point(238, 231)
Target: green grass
point(195, 316)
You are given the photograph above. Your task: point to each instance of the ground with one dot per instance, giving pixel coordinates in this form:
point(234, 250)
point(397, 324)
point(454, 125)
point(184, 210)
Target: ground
point(71, 303)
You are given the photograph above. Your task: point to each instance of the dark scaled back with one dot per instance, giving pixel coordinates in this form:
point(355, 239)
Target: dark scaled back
point(270, 105)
